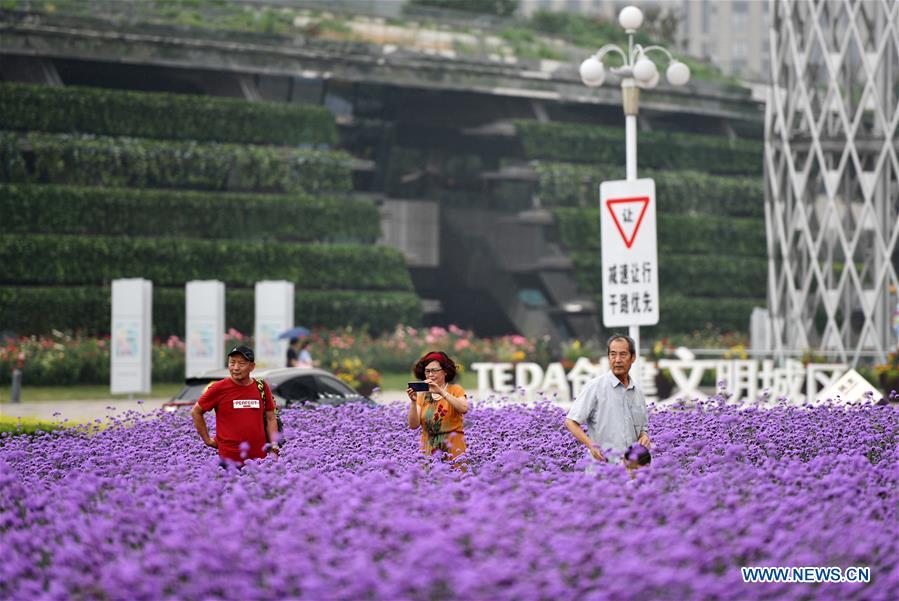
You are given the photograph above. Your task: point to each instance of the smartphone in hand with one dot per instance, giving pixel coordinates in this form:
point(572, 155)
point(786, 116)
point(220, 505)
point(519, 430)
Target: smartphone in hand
point(419, 386)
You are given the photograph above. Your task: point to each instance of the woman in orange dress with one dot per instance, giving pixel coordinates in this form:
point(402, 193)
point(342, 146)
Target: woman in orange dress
point(438, 411)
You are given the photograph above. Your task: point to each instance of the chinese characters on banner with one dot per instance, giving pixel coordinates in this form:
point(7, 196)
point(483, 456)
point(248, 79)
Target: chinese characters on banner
point(630, 273)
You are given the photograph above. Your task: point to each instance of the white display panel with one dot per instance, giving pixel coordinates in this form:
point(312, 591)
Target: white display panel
point(204, 338)
point(274, 315)
point(131, 336)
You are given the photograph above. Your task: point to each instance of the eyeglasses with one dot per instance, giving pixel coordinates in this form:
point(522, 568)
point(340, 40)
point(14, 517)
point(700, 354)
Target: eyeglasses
point(434, 370)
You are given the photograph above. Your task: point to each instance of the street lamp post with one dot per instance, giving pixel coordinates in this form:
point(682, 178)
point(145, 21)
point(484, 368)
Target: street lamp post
point(637, 72)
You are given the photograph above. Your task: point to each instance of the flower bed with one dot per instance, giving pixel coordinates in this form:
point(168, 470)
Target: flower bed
point(63, 359)
point(71, 359)
point(351, 510)
point(396, 351)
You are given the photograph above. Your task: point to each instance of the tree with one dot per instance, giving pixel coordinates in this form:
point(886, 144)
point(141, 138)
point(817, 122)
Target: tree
point(661, 24)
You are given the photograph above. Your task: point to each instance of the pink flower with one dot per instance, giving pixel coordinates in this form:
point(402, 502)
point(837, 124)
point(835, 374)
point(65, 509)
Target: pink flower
point(462, 343)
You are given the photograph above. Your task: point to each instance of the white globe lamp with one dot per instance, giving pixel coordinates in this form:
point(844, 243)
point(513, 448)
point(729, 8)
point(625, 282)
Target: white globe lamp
point(592, 72)
point(645, 70)
point(678, 73)
point(652, 83)
point(630, 18)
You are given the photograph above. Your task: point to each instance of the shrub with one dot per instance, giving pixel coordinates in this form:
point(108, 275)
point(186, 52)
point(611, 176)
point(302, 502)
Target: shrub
point(26, 425)
point(39, 310)
point(683, 234)
point(162, 116)
point(715, 276)
point(143, 163)
point(660, 150)
point(496, 8)
point(42, 259)
point(680, 314)
point(51, 209)
point(681, 191)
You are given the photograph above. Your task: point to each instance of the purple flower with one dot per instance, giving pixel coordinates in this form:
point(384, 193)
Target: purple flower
point(140, 510)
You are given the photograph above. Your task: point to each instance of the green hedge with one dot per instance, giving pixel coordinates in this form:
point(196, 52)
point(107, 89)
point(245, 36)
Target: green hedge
point(143, 163)
point(681, 315)
point(577, 142)
point(686, 234)
point(566, 184)
point(51, 209)
point(38, 310)
point(715, 276)
point(161, 115)
point(74, 260)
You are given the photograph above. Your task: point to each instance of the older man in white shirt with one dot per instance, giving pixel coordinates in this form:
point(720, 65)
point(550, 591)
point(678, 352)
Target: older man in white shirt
point(612, 406)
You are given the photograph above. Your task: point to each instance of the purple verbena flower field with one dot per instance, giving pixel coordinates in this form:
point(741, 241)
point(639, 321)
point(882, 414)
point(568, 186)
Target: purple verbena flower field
point(141, 509)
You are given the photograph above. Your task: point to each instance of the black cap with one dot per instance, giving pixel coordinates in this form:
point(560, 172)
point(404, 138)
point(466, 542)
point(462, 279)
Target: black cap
point(245, 351)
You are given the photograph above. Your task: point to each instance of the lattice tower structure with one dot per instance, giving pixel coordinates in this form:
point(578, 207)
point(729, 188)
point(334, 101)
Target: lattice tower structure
point(832, 177)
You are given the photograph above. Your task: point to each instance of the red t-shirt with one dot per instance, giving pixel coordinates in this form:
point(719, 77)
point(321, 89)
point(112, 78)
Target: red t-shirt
point(238, 417)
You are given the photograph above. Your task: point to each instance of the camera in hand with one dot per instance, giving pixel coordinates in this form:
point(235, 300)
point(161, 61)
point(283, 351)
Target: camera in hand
point(419, 386)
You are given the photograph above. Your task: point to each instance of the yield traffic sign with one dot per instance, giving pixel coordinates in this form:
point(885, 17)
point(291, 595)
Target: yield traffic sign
point(628, 213)
point(630, 271)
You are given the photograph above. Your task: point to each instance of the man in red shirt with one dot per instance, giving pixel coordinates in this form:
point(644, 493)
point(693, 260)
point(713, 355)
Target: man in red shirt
point(239, 410)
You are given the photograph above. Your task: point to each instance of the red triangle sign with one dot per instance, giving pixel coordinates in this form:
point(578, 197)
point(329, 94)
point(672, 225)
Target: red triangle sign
point(625, 212)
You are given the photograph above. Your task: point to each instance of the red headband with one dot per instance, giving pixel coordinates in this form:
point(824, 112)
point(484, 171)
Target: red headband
point(434, 357)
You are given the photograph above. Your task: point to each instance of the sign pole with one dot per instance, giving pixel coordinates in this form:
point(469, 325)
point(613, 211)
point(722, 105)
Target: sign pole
point(630, 290)
point(631, 96)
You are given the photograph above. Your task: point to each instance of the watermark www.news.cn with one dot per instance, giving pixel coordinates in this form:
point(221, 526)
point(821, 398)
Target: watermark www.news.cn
point(806, 574)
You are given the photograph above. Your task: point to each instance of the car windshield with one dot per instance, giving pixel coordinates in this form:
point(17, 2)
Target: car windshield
point(193, 390)
point(332, 387)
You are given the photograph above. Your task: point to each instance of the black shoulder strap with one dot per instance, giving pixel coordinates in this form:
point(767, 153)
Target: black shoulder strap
point(260, 384)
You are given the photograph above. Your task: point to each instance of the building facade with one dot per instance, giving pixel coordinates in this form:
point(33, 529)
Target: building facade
point(731, 34)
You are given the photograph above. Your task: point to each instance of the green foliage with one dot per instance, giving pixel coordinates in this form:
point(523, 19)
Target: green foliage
point(41, 259)
point(677, 233)
point(712, 276)
point(526, 44)
point(51, 209)
point(660, 150)
point(12, 163)
point(680, 314)
point(677, 191)
point(36, 310)
point(143, 163)
point(580, 30)
point(497, 8)
point(204, 14)
point(161, 115)
point(26, 425)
